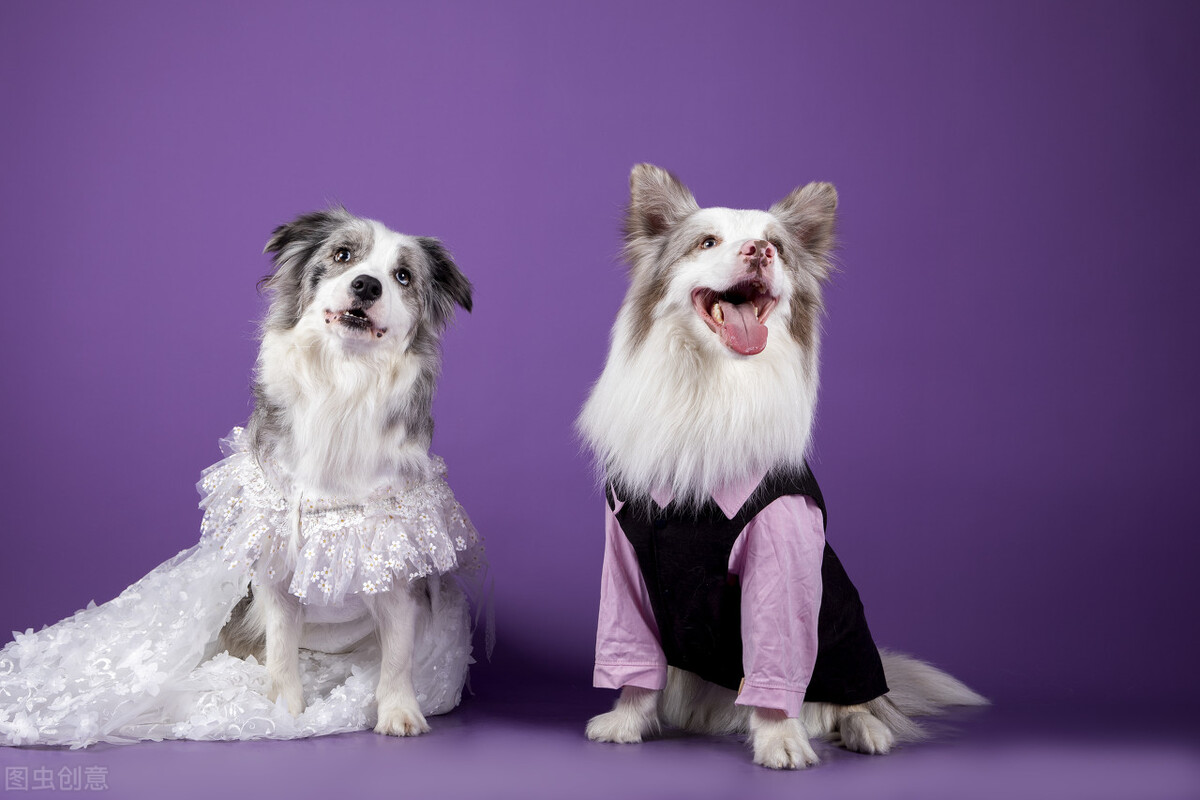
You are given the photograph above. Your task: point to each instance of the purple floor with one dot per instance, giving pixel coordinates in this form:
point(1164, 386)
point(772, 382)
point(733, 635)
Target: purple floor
point(498, 745)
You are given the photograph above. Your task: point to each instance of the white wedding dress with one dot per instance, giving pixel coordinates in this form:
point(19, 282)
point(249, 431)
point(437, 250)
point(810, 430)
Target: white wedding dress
point(146, 665)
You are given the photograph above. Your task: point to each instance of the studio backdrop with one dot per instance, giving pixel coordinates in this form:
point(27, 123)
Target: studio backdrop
point(1007, 428)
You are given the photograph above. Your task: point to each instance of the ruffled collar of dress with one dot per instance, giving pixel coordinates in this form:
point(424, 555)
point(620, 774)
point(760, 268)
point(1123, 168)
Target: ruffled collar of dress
point(333, 547)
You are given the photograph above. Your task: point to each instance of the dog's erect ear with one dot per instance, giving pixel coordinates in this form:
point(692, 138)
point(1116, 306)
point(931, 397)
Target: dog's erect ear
point(450, 286)
point(808, 213)
point(657, 200)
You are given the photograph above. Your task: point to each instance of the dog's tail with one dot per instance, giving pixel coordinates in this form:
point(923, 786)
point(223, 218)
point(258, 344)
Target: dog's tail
point(917, 689)
point(920, 690)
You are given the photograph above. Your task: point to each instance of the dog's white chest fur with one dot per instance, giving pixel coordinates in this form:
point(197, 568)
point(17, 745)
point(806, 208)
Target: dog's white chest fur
point(343, 435)
point(669, 415)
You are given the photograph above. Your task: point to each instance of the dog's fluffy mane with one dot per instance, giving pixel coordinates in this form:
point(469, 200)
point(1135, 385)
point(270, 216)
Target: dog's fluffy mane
point(336, 422)
point(672, 408)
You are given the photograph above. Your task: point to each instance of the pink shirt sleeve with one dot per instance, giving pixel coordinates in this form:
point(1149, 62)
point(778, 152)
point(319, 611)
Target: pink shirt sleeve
point(627, 649)
point(778, 560)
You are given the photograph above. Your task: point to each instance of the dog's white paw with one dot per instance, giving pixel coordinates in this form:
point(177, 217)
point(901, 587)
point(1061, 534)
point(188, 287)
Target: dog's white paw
point(291, 692)
point(864, 733)
point(780, 743)
point(401, 719)
point(619, 725)
point(634, 716)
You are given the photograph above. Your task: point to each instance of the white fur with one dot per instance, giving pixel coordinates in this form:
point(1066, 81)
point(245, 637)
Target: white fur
point(681, 411)
point(635, 715)
point(692, 704)
point(779, 742)
point(337, 408)
point(397, 614)
point(919, 689)
point(284, 621)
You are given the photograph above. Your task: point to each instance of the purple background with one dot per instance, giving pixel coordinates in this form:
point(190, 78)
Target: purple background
point(1007, 430)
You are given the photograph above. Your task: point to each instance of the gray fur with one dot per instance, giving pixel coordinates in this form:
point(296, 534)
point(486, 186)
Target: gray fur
point(919, 689)
point(438, 286)
point(810, 269)
point(808, 214)
point(806, 242)
point(303, 252)
point(244, 634)
point(446, 276)
point(267, 425)
point(415, 410)
point(658, 203)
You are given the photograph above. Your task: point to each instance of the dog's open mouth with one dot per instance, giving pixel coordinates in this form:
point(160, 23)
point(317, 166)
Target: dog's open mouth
point(356, 320)
point(737, 314)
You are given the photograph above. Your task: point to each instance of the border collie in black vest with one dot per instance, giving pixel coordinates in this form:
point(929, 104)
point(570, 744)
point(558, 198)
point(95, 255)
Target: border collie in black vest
point(723, 608)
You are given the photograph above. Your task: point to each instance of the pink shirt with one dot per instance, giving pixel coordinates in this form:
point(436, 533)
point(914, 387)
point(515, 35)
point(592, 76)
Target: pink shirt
point(777, 558)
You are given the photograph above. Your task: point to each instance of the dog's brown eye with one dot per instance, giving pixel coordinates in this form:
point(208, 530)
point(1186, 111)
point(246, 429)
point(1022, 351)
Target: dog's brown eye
point(709, 242)
point(341, 255)
point(403, 276)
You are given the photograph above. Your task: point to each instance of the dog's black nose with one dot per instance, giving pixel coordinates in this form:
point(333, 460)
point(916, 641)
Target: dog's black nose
point(366, 288)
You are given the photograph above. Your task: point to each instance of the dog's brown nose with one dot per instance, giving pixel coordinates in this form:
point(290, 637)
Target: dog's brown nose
point(757, 253)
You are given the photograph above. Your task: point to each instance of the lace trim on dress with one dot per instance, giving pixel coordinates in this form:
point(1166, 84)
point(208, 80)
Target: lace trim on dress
point(407, 529)
point(146, 665)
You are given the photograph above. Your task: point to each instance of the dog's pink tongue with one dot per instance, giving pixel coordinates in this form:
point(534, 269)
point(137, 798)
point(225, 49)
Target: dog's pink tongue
point(741, 331)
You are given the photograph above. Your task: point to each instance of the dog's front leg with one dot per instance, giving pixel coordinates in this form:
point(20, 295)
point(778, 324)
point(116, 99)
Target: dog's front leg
point(284, 622)
point(779, 742)
point(635, 715)
point(395, 614)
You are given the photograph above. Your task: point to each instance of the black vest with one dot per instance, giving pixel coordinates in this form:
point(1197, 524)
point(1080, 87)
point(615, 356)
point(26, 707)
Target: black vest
point(684, 559)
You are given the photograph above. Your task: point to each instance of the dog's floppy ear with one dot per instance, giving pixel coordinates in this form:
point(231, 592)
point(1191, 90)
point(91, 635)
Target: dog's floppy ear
point(450, 286)
point(808, 213)
point(657, 200)
point(292, 244)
